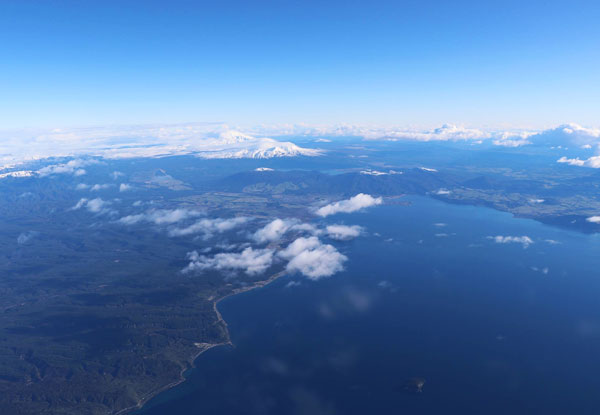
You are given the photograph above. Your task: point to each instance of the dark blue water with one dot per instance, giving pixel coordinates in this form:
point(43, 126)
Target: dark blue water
point(488, 328)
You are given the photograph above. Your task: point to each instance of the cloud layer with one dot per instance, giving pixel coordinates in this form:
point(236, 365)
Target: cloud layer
point(206, 140)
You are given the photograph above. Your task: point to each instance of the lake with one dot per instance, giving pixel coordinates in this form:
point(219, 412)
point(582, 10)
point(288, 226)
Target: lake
point(491, 327)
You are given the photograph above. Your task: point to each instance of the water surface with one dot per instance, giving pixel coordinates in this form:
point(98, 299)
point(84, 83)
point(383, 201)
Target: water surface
point(492, 328)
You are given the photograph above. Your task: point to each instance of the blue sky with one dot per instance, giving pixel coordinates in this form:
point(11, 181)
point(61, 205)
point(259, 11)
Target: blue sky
point(411, 63)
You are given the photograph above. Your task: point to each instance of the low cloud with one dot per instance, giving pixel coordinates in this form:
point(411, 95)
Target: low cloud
point(26, 237)
point(442, 192)
point(593, 162)
point(274, 230)
point(124, 187)
point(593, 219)
point(208, 227)
point(94, 187)
point(97, 205)
point(160, 216)
point(250, 261)
point(343, 232)
point(523, 240)
point(73, 167)
point(116, 174)
point(358, 202)
point(312, 258)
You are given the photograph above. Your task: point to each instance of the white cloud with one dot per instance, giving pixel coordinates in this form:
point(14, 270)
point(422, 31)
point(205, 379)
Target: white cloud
point(98, 187)
point(93, 188)
point(207, 140)
point(74, 167)
point(594, 219)
point(428, 169)
point(116, 174)
point(370, 172)
point(446, 132)
point(343, 232)
point(567, 134)
point(358, 202)
point(25, 237)
point(210, 226)
point(274, 230)
point(124, 187)
point(251, 261)
point(160, 216)
point(593, 162)
point(19, 173)
point(511, 142)
point(442, 192)
point(543, 270)
point(263, 169)
point(312, 258)
point(523, 240)
point(97, 205)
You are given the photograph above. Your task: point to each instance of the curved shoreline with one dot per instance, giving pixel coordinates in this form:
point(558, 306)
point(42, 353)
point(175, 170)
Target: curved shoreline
point(205, 346)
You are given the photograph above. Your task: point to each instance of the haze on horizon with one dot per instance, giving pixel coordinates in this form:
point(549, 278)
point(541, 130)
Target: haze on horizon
point(479, 64)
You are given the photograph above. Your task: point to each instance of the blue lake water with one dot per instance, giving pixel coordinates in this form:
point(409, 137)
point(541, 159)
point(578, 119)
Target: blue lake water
point(492, 328)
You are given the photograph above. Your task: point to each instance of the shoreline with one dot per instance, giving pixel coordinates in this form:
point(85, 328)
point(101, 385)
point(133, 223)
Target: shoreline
point(206, 346)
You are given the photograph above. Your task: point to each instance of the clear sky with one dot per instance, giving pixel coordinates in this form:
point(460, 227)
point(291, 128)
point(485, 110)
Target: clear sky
point(420, 63)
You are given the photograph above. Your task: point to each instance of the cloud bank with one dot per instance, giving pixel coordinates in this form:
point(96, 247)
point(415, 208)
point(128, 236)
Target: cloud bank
point(206, 140)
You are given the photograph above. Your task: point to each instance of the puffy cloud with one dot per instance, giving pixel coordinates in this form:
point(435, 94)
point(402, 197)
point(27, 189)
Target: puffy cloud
point(251, 261)
point(358, 202)
point(523, 240)
point(160, 216)
point(124, 187)
point(343, 232)
point(312, 258)
point(74, 167)
point(567, 134)
point(594, 219)
point(210, 226)
point(97, 205)
point(593, 162)
point(274, 230)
